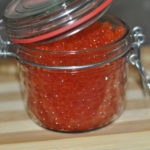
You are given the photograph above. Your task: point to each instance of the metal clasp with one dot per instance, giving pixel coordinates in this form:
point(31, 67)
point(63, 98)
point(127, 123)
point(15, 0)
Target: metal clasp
point(4, 43)
point(135, 57)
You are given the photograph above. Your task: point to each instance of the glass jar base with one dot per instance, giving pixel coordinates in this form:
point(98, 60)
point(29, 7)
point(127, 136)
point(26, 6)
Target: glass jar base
point(114, 118)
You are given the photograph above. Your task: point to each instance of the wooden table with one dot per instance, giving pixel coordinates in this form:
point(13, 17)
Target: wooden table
point(17, 132)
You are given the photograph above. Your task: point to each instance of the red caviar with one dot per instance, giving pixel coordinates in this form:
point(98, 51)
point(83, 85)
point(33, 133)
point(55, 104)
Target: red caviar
point(82, 99)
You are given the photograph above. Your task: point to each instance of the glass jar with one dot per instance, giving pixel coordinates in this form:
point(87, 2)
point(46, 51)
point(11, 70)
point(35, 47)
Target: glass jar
point(77, 89)
point(87, 95)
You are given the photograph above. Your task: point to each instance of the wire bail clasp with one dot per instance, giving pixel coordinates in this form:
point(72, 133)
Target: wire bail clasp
point(5, 44)
point(135, 57)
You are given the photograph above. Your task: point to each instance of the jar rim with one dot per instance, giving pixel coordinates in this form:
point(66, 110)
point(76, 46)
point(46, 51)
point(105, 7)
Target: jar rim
point(127, 31)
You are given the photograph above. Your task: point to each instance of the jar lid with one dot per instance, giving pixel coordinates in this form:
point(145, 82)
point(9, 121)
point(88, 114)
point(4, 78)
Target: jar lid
point(29, 21)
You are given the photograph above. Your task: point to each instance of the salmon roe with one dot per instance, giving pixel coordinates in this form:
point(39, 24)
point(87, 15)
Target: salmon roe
point(97, 35)
point(81, 99)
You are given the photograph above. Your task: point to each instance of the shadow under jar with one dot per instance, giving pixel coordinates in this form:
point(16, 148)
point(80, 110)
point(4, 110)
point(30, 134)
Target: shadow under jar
point(70, 89)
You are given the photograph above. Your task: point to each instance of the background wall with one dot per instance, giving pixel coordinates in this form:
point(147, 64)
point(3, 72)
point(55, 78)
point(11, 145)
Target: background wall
point(133, 12)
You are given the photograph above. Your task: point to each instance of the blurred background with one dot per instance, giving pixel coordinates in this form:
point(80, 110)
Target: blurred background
point(133, 12)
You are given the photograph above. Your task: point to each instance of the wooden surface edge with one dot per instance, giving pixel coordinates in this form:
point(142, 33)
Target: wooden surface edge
point(126, 141)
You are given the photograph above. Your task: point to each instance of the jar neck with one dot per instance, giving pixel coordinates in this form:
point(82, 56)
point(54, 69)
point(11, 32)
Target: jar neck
point(73, 60)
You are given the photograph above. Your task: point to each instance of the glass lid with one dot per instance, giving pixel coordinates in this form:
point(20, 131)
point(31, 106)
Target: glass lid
point(25, 8)
point(29, 21)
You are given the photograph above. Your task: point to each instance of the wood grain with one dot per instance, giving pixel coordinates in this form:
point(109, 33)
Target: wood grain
point(17, 132)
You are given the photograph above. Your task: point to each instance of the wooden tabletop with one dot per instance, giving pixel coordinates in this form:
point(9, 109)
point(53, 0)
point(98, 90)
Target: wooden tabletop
point(17, 132)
